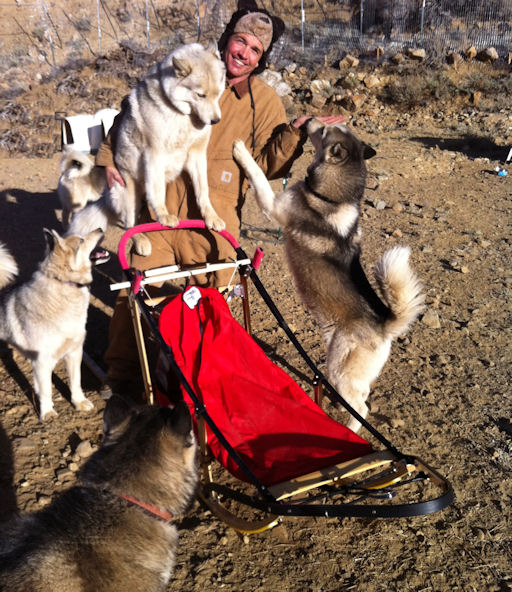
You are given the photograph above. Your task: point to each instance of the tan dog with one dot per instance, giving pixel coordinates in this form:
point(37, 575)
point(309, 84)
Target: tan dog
point(164, 130)
point(44, 318)
point(115, 531)
point(320, 220)
point(80, 183)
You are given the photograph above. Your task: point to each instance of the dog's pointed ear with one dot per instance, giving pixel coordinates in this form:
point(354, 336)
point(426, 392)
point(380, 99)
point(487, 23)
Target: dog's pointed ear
point(313, 125)
point(180, 420)
point(368, 151)
point(212, 48)
point(115, 417)
point(336, 152)
point(52, 239)
point(48, 237)
point(182, 66)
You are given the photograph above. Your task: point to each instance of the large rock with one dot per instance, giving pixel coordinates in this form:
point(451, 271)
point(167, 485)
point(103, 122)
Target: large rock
point(489, 54)
point(470, 53)
point(416, 53)
point(275, 80)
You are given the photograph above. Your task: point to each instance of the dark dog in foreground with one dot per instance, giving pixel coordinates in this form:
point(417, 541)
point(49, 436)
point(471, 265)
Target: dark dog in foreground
point(320, 220)
point(115, 531)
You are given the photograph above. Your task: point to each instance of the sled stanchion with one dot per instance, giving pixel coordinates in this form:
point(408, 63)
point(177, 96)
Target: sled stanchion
point(317, 386)
point(143, 358)
point(245, 304)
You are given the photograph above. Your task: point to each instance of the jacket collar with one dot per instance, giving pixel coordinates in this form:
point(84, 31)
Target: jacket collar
point(241, 88)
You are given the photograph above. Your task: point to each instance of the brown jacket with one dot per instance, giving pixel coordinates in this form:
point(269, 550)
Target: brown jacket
point(276, 145)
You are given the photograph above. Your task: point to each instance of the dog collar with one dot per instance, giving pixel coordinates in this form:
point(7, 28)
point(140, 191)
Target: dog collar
point(70, 283)
point(316, 194)
point(77, 284)
point(162, 514)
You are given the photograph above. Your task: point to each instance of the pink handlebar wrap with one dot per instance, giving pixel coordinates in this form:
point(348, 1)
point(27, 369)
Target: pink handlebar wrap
point(153, 226)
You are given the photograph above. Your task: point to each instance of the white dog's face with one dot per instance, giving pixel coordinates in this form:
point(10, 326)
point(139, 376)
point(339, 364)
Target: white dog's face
point(201, 74)
point(73, 253)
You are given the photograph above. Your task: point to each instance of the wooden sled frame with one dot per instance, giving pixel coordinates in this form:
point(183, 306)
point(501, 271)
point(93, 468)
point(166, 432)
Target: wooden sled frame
point(350, 486)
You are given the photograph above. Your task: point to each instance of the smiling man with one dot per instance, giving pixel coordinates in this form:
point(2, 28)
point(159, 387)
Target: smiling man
point(250, 110)
point(251, 37)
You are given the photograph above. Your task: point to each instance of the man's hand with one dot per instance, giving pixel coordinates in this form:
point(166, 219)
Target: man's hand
point(327, 119)
point(113, 176)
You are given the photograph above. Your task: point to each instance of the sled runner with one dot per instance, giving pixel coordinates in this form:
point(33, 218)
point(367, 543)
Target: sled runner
point(268, 449)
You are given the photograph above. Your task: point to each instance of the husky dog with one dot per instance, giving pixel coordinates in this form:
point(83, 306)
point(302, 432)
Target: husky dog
point(114, 531)
point(164, 130)
point(44, 318)
point(320, 219)
point(80, 182)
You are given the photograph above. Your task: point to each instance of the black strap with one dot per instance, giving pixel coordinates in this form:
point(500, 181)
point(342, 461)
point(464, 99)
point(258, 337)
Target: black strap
point(336, 510)
point(253, 108)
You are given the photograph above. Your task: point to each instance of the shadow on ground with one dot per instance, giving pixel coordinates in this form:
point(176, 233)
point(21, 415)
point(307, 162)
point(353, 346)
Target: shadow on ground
point(471, 146)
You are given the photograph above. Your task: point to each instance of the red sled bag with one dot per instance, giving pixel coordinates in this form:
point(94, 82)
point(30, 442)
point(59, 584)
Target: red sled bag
point(273, 425)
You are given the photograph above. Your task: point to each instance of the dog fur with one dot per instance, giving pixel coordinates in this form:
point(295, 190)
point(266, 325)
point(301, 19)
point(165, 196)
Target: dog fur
point(44, 318)
point(80, 183)
point(320, 220)
point(164, 130)
point(91, 537)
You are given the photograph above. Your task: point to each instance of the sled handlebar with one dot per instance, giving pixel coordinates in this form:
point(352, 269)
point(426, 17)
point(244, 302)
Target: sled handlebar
point(154, 226)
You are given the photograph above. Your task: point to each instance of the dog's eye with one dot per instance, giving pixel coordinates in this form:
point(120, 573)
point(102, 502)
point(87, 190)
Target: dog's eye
point(201, 95)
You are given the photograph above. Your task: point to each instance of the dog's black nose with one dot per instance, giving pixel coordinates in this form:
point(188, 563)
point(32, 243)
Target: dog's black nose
point(214, 121)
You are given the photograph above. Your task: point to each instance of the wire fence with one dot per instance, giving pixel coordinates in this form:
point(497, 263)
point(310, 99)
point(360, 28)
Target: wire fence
point(61, 32)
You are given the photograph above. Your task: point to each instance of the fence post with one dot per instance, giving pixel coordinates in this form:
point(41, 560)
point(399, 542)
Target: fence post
point(361, 21)
point(198, 21)
point(422, 21)
point(50, 38)
point(147, 24)
point(98, 25)
point(302, 21)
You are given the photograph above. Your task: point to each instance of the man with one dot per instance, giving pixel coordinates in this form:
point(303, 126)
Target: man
point(250, 110)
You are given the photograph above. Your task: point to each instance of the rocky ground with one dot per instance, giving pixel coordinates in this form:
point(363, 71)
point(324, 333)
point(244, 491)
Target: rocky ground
point(444, 393)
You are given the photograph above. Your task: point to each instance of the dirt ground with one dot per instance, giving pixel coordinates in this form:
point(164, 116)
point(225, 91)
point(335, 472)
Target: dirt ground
point(443, 395)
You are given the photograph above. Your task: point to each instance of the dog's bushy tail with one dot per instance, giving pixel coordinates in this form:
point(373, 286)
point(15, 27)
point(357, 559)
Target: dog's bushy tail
point(98, 214)
point(400, 288)
point(75, 161)
point(8, 267)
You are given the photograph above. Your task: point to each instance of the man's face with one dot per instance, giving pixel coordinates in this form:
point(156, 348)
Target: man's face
point(242, 54)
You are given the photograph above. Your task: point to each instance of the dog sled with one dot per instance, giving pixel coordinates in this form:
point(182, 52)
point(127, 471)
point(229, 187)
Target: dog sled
point(268, 449)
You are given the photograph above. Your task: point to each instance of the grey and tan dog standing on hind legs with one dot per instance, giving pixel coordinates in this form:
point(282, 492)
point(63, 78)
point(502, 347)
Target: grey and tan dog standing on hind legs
point(164, 129)
point(45, 317)
point(320, 220)
point(115, 530)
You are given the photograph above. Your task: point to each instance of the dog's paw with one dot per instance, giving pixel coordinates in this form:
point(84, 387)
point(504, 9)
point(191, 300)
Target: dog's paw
point(48, 415)
point(169, 220)
point(84, 405)
point(142, 245)
point(354, 425)
point(214, 222)
point(239, 150)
